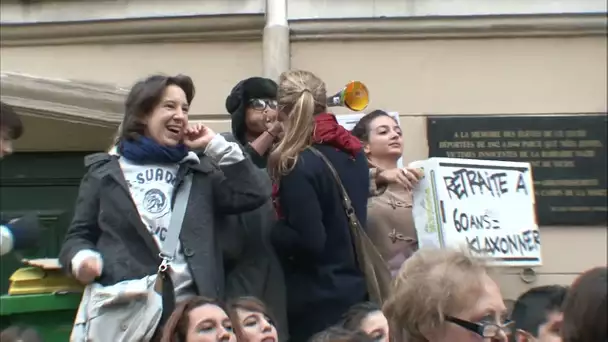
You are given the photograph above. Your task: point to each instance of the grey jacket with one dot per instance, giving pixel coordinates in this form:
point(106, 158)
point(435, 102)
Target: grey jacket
point(106, 220)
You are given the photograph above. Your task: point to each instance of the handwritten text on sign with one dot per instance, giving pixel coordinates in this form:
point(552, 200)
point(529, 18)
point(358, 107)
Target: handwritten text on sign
point(487, 205)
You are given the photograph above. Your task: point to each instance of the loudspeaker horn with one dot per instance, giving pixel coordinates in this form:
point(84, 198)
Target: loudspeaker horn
point(353, 96)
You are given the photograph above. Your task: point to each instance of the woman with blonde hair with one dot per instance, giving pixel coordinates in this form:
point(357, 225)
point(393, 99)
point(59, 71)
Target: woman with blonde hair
point(322, 276)
point(443, 295)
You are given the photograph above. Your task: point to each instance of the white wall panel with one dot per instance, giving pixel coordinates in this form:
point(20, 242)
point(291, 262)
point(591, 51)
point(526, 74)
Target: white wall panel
point(320, 9)
point(13, 11)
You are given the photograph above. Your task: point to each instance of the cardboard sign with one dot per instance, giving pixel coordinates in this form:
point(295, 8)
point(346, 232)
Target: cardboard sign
point(349, 121)
point(487, 206)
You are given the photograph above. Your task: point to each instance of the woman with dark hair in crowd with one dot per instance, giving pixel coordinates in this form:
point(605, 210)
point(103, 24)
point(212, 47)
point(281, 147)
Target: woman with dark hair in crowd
point(252, 266)
point(254, 321)
point(124, 206)
point(252, 106)
point(586, 308)
point(321, 272)
point(368, 318)
point(199, 319)
point(390, 223)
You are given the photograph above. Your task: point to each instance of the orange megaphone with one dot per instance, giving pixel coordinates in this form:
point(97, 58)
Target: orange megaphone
point(353, 96)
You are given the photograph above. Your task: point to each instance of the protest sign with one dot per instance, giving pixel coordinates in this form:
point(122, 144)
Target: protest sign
point(349, 121)
point(487, 206)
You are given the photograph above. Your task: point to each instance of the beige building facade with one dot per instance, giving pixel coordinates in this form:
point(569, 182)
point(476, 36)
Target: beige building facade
point(69, 78)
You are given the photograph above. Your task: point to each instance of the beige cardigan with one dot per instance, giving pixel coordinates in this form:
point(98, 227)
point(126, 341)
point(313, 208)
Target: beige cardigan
point(390, 224)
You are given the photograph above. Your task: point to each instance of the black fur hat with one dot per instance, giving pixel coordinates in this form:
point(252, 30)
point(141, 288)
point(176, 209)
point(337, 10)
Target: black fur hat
point(237, 101)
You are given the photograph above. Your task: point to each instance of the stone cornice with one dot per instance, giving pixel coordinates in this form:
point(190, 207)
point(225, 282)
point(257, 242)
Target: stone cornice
point(169, 29)
point(89, 103)
point(250, 27)
point(68, 100)
point(592, 24)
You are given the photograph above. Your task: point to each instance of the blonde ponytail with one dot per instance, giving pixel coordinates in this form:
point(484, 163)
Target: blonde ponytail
point(301, 96)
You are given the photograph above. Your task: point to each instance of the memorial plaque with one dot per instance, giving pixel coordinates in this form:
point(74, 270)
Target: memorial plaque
point(567, 153)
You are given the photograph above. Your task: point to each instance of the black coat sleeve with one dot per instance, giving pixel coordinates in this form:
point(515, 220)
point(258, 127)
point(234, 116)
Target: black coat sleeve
point(303, 231)
point(239, 188)
point(256, 158)
point(84, 231)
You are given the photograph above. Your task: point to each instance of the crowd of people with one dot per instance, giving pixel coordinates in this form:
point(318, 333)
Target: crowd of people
point(270, 243)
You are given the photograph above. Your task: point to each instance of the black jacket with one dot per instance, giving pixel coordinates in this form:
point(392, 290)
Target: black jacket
point(107, 221)
point(322, 276)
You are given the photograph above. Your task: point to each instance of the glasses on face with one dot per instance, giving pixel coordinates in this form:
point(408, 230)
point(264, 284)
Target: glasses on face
point(486, 329)
point(261, 104)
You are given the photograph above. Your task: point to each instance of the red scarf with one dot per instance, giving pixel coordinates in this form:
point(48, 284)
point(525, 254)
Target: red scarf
point(329, 132)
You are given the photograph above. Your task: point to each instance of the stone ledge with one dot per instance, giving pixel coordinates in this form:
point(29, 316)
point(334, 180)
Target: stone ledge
point(250, 27)
point(169, 29)
point(37, 11)
point(87, 103)
point(592, 24)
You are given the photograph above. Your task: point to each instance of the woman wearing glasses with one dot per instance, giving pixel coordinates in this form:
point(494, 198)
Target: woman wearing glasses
point(251, 266)
point(253, 108)
point(446, 295)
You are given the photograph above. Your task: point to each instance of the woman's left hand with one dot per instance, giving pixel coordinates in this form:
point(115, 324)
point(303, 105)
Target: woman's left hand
point(198, 136)
point(407, 177)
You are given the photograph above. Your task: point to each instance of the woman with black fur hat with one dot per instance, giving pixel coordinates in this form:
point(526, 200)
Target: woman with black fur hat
point(251, 266)
point(253, 107)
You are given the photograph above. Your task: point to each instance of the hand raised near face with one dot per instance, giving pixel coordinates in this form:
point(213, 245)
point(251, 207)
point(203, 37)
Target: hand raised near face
point(198, 136)
point(275, 128)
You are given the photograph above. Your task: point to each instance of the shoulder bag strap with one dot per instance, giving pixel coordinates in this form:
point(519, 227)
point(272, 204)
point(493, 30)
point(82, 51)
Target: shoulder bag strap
point(371, 263)
point(163, 284)
point(346, 202)
point(169, 246)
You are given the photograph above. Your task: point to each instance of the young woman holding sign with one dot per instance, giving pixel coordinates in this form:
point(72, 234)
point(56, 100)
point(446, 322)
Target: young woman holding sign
point(390, 223)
